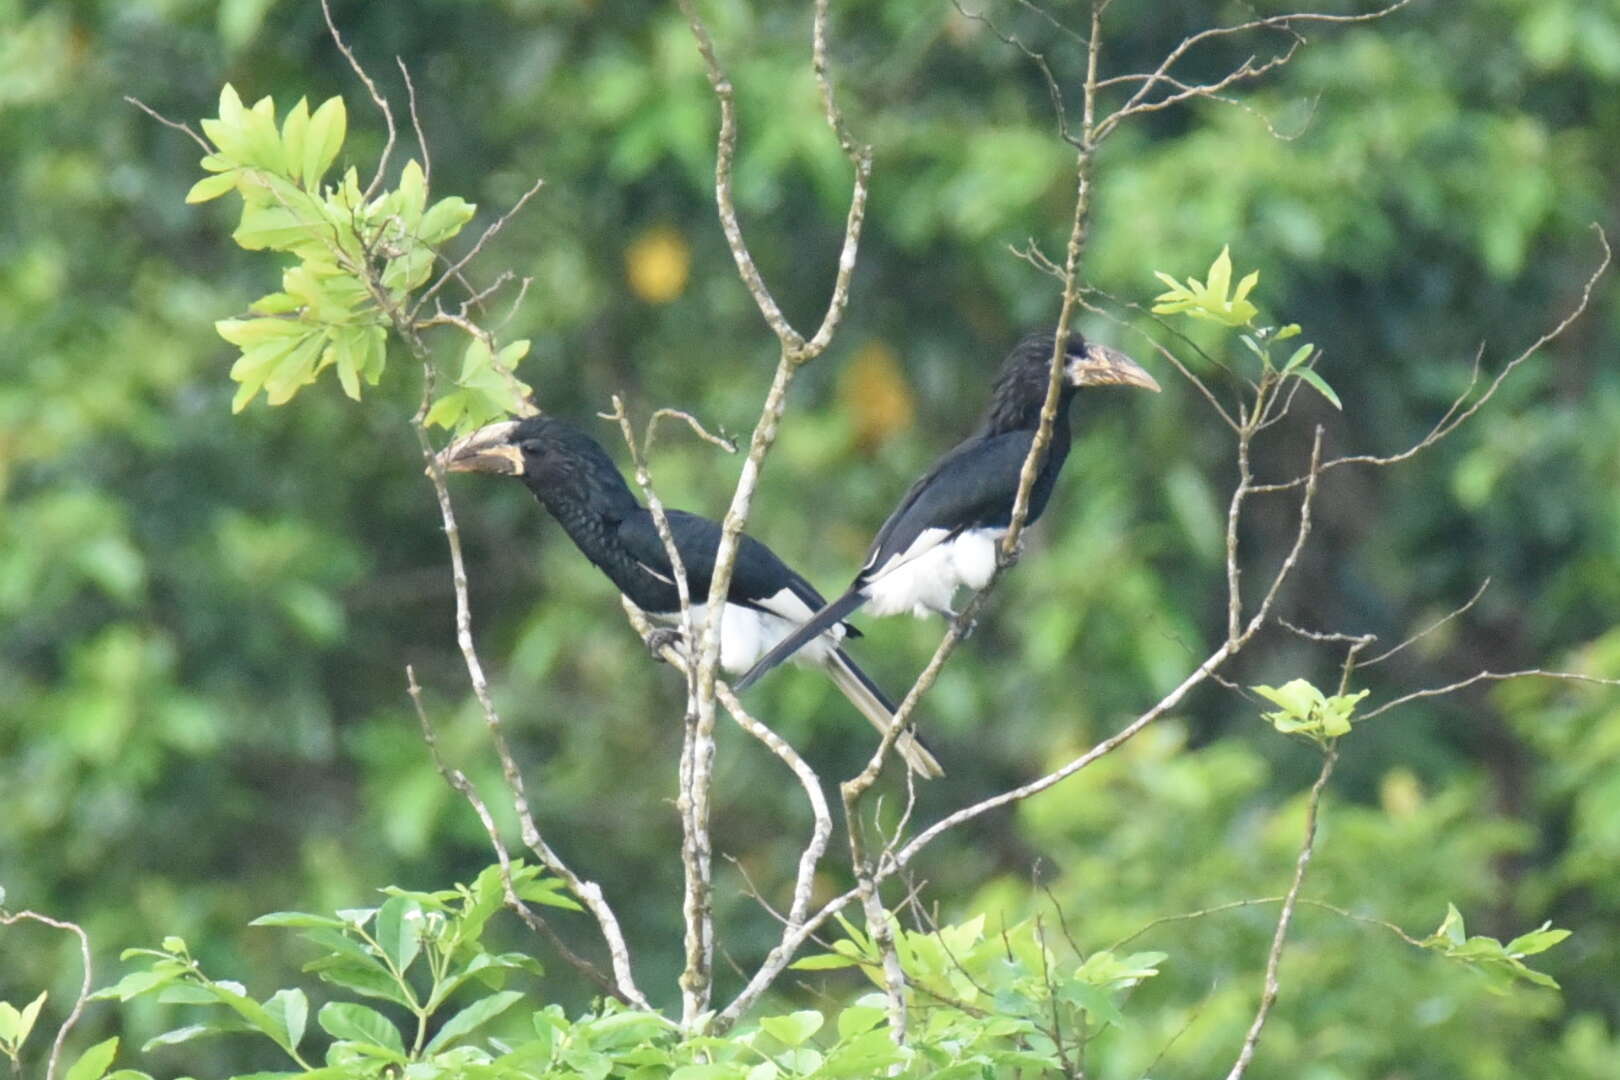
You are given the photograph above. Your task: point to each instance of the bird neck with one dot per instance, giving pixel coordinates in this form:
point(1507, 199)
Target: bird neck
point(585, 495)
point(1021, 411)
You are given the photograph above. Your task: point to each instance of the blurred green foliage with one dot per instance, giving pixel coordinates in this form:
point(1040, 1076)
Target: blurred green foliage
point(204, 619)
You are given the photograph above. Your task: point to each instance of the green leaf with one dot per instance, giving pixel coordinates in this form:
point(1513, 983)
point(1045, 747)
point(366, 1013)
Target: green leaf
point(362, 979)
point(1310, 376)
point(412, 195)
point(358, 1023)
point(448, 411)
point(324, 139)
point(291, 1010)
point(1220, 275)
point(709, 1072)
point(297, 918)
point(279, 228)
point(1291, 330)
point(192, 1031)
point(445, 219)
point(1246, 285)
point(93, 1063)
point(294, 370)
point(1538, 940)
point(1451, 927)
point(473, 1017)
point(260, 1018)
point(247, 333)
point(795, 1028)
point(294, 130)
point(859, 1019)
point(212, 187)
point(1094, 1000)
point(26, 1018)
point(824, 962)
point(226, 131)
point(1301, 354)
point(399, 931)
point(136, 983)
point(548, 891)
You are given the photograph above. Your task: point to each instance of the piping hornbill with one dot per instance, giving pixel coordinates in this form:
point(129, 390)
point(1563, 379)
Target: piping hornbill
point(573, 477)
point(945, 531)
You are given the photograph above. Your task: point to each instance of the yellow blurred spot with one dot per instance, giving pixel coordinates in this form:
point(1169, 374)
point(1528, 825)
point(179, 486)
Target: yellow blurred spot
point(1401, 793)
point(657, 264)
point(875, 395)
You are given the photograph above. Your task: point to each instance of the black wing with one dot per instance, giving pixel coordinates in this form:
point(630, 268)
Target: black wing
point(972, 486)
point(758, 578)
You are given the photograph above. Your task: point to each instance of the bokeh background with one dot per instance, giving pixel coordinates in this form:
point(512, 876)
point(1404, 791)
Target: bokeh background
point(204, 618)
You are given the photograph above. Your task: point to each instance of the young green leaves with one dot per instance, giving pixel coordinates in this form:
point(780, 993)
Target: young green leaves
point(1497, 963)
point(1305, 710)
point(360, 259)
point(1214, 300)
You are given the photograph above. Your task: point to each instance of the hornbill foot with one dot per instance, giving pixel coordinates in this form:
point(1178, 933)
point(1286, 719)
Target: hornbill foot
point(1007, 558)
point(661, 637)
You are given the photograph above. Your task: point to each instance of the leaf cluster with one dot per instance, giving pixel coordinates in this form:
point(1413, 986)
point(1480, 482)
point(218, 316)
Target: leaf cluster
point(1305, 710)
point(363, 259)
point(1499, 964)
point(1214, 300)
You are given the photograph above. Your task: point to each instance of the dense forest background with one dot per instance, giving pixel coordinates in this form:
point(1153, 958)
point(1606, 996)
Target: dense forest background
point(204, 618)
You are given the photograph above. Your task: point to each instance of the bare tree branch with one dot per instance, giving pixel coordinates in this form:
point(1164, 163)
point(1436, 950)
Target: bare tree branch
point(795, 351)
point(1139, 102)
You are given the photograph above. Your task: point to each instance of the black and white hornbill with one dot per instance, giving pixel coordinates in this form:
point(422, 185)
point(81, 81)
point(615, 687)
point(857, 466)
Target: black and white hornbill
point(573, 477)
point(944, 532)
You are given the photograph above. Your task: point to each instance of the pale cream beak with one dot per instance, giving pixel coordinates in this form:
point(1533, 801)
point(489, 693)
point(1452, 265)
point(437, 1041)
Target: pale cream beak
point(484, 450)
point(1103, 366)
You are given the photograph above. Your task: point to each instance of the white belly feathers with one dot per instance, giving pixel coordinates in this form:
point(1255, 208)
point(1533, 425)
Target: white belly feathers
point(746, 634)
point(925, 577)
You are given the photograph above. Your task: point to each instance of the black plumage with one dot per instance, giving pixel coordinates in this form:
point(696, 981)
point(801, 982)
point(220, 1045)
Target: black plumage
point(573, 477)
point(944, 533)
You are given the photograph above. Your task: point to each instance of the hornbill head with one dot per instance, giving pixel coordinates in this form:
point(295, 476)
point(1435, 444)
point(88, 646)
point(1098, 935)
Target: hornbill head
point(561, 464)
point(1098, 365)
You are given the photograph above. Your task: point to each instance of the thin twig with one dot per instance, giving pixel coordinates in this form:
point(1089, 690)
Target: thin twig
point(416, 125)
point(11, 918)
point(1432, 627)
point(1268, 996)
point(472, 253)
point(459, 781)
point(1487, 676)
point(166, 122)
point(376, 97)
point(1457, 415)
point(1139, 103)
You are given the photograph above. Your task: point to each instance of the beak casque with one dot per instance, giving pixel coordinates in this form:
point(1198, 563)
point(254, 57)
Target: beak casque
point(1103, 366)
point(486, 450)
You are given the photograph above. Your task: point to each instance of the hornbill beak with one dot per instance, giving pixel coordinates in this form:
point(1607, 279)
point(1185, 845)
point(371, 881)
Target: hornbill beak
point(1102, 366)
point(486, 450)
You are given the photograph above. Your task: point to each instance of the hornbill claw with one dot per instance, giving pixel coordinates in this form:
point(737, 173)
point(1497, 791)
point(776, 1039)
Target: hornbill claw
point(661, 637)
